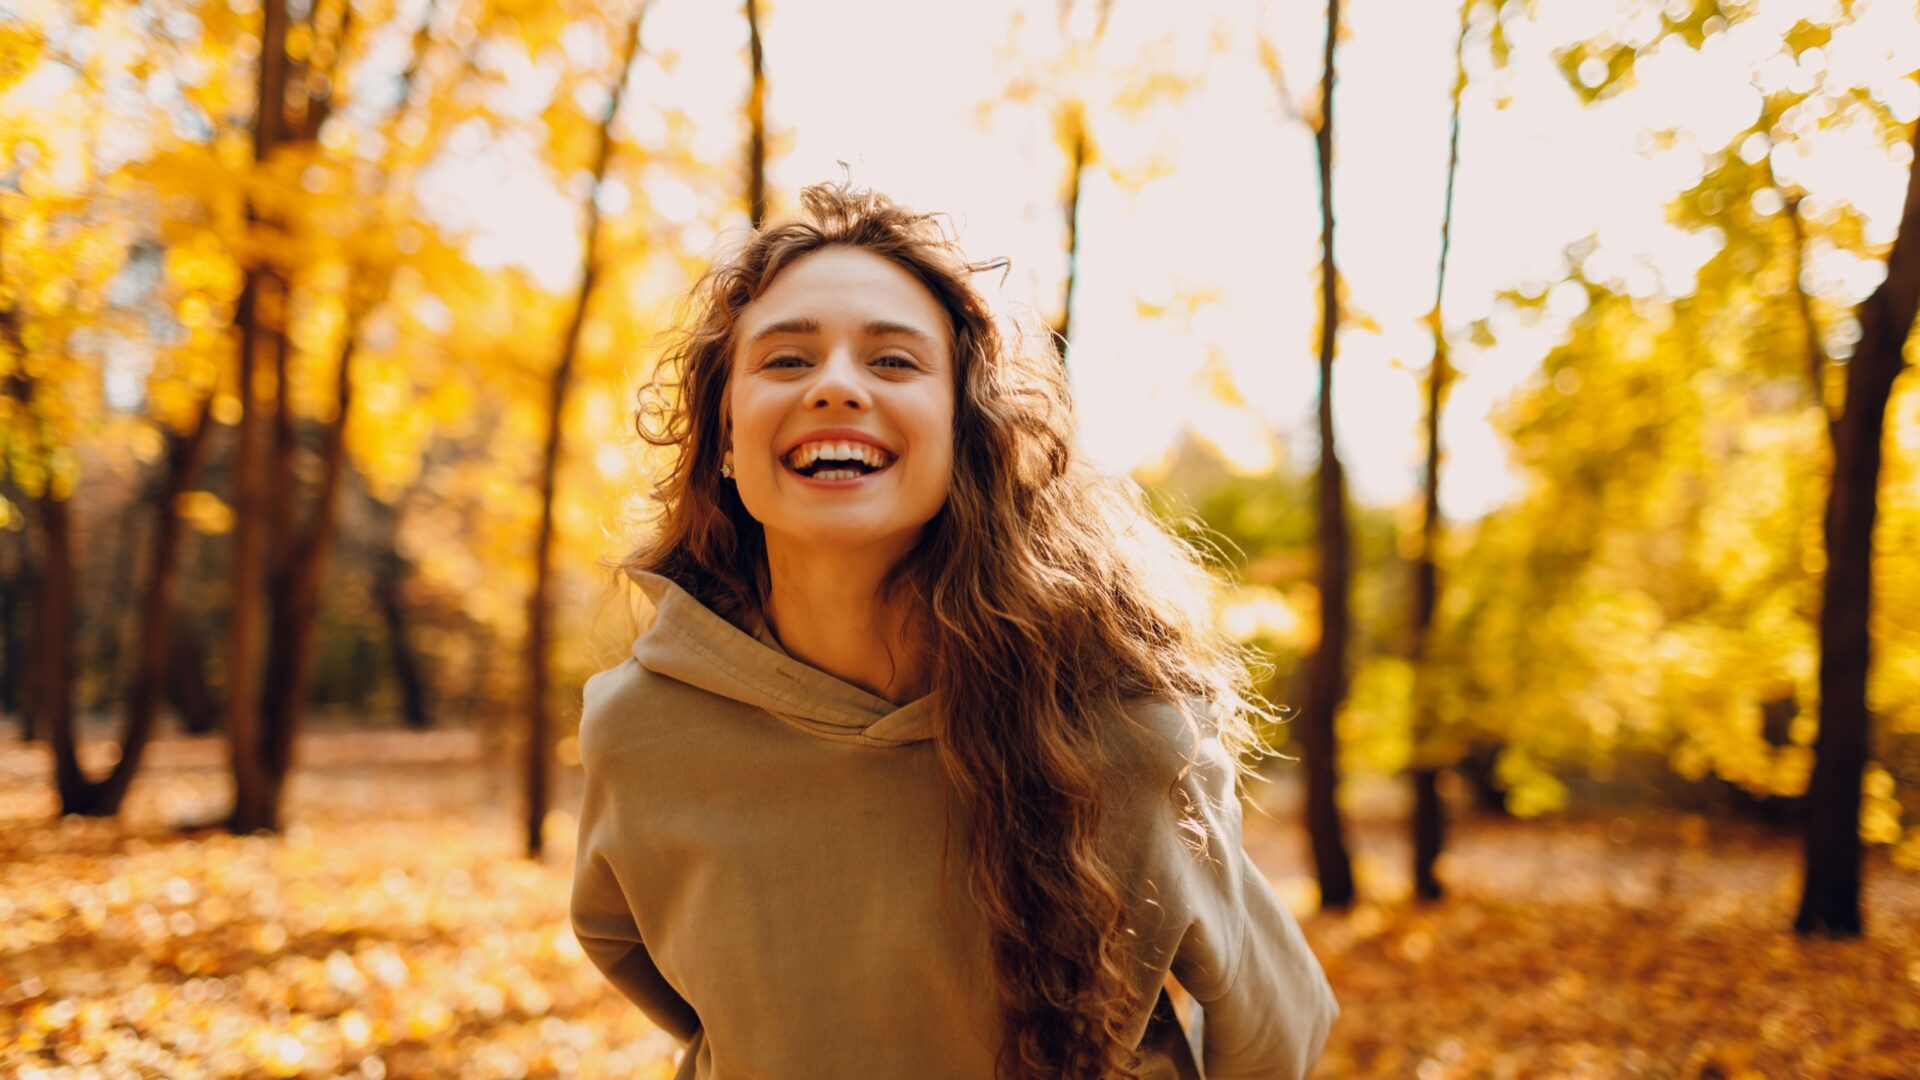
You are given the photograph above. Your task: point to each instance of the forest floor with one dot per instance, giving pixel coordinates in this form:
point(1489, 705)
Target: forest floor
point(395, 930)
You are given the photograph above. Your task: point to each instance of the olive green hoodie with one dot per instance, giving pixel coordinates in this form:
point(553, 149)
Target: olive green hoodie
point(760, 871)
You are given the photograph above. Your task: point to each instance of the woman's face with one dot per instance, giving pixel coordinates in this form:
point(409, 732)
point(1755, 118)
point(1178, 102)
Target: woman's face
point(841, 404)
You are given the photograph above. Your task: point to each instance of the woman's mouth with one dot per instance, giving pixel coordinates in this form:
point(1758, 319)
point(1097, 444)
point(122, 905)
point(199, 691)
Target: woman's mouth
point(836, 461)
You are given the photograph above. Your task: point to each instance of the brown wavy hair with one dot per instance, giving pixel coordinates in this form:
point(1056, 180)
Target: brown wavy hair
point(1045, 595)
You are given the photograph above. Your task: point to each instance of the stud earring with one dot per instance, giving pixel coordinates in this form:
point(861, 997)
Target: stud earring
point(726, 467)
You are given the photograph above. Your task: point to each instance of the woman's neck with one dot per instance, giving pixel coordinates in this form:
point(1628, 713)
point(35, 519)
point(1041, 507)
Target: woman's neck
point(825, 606)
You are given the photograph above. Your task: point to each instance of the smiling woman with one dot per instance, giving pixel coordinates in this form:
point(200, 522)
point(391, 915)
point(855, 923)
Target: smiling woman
point(840, 418)
point(896, 618)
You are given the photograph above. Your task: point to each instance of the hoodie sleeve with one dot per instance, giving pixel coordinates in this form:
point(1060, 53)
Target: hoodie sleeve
point(602, 919)
point(1266, 1006)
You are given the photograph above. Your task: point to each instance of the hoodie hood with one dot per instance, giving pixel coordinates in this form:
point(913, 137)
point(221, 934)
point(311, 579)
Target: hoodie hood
point(690, 643)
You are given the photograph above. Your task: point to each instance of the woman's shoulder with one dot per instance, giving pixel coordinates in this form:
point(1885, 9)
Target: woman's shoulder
point(1160, 739)
point(626, 705)
point(1174, 779)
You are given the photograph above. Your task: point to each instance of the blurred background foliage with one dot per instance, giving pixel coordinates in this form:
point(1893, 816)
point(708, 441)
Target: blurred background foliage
point(317, 416)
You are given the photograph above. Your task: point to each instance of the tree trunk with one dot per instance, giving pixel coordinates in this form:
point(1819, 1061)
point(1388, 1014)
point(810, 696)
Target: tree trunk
point(263, 744)
point(284, 608)
point(186, 679)
point(256, 798)
point(390, 573)
point(539, 614)
point(1070, 125)
point(30, 727)
point(27, 676)
point(1074, 119)
point(1830, 900)
point(756, 121)
point(1326, 673)
point(1429, 810)
point(109, 636)
point(12, 586)
point(296, 599)
point(50, 678)
point(300, 554)
point(1477, 768)
point(1809, 328)
point(184, 458)
point(52, 669)
point(389, 593)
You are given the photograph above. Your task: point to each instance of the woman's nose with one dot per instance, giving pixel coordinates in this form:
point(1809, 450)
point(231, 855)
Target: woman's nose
point(838, 384)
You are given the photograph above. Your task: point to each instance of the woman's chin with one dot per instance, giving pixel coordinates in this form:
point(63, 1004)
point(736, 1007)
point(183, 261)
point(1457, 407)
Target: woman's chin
point(845, 533)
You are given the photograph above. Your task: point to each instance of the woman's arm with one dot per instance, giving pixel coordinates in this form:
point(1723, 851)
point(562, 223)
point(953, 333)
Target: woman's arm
point(1267, 1006)
point(603, 920)
point(607, 935)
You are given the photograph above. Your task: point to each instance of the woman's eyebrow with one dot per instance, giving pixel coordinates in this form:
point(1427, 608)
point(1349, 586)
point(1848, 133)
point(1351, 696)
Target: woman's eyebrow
point(786, 326)
point(883, 328)
point(874, 328)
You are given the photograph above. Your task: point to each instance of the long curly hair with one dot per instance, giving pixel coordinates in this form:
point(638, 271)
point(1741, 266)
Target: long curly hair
point(1045, 594)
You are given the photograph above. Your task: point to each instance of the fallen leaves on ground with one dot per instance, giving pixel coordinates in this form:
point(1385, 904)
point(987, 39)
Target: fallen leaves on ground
point(1607, 945)
point(396, 930)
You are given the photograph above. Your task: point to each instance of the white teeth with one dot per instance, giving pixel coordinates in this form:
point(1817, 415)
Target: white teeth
point(807, 453)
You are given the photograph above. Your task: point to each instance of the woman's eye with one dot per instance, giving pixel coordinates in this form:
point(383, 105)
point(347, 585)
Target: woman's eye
point(787, 360)
point(894, 361)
